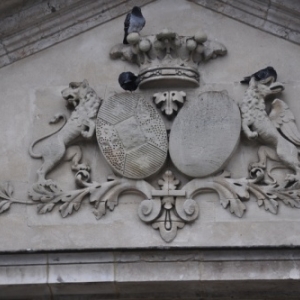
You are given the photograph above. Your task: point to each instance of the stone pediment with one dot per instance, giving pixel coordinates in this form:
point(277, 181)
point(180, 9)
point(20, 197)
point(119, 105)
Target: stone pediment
point(170, 154)
point(31, 26)
point(169, 165)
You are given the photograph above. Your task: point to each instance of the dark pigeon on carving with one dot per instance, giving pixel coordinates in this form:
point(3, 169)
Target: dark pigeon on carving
point(128, 81)
point(266, 75)
point(134, 22)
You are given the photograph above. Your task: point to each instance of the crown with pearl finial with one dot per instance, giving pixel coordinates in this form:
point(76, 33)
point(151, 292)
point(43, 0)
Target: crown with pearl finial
point(167, 57)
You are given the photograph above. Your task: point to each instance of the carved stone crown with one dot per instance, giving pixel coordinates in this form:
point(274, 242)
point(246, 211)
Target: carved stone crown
point(167, 57)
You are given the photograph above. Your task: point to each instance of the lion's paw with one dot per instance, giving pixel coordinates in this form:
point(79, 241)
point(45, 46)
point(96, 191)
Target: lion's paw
point(257, 165)
point(47, 183)
point(86, 134)
point(252, 135)
point(292, 177)
point(56, 118)
point(292, 181)
point(81, 167)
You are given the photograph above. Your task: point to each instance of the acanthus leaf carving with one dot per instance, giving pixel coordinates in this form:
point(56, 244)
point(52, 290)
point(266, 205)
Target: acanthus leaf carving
point(108, 193)
point(169, 102)
point(48, 195)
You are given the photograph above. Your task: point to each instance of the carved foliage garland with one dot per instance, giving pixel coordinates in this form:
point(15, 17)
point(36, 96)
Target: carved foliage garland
point(167, 209)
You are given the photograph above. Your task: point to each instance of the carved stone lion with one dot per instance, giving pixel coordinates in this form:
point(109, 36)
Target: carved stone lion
point(85, 102)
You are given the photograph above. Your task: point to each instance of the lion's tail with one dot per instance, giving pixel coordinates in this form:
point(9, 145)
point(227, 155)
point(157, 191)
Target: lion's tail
point(54, 120)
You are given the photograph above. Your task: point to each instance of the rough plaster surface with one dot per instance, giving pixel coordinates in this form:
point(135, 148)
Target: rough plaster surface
point(30, 95)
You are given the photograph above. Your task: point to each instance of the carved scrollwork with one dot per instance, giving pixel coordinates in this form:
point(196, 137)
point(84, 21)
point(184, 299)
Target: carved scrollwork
point(149, 209)
point(187, 209)
point(172, 209)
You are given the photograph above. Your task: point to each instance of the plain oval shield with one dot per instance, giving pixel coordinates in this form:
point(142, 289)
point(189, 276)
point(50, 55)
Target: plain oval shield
point(205, 134)
point(131, 135)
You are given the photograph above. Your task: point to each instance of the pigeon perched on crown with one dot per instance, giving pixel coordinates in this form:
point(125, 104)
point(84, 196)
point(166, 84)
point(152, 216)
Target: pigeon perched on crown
point(167, 57)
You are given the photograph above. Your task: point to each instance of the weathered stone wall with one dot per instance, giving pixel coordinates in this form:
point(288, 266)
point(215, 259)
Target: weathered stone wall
point(30, 91)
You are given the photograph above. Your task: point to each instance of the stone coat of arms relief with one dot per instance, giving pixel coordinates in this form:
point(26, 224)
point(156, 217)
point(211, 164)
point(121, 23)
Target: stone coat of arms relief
point(133, 138)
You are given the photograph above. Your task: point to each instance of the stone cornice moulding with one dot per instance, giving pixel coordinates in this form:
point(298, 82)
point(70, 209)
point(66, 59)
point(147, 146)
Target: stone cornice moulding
point(187, 274)
point(280, 18)
point(20, 38)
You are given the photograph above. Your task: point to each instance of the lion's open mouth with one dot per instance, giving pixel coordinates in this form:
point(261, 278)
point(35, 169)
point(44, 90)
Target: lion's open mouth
point(70, 98)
